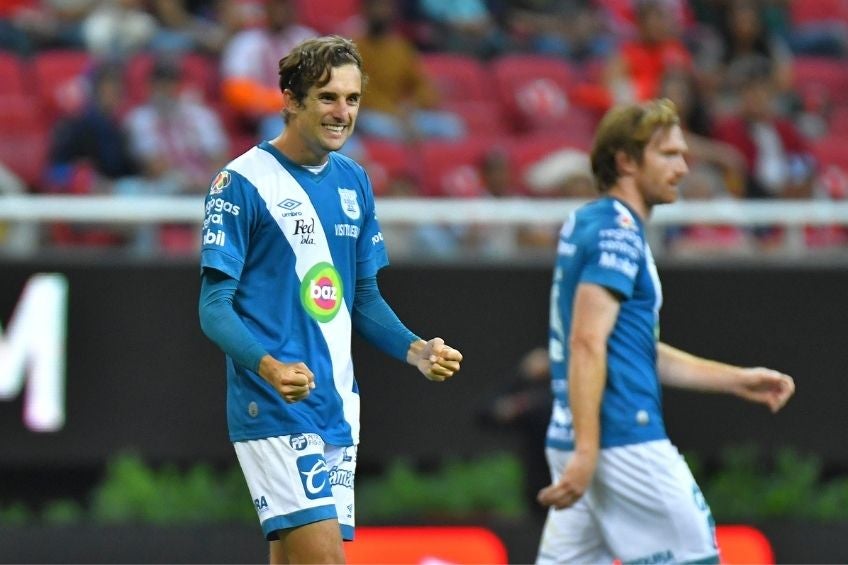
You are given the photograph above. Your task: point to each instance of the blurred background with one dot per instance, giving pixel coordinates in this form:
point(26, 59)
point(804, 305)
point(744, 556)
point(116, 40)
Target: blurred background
point(475, 130)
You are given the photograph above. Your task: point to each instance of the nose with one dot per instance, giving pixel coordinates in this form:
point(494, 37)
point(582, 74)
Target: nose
point(683, 167)
point(342, 109)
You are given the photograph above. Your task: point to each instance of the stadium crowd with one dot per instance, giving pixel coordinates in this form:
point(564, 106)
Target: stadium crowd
point(466, 99)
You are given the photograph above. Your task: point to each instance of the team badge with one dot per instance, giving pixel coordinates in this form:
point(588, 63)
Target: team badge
point(350, 204)
point(222, 181)
point(626, 221)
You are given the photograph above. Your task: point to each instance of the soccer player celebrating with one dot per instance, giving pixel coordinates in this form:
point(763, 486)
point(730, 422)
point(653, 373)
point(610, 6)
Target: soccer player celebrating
point(291, 251)
point(620, 489)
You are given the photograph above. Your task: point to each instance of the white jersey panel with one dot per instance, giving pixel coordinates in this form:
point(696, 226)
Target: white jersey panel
point(256, 167)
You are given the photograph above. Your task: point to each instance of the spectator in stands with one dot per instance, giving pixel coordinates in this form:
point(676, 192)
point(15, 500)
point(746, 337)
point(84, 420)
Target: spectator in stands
point(27, 26)
point(118, 28)
point(180, 143)
point(565, 173)
point(574, 29)
point(711, 162)
point(523, 406)
point(744, 35)
point(185, 26)
point(89, 154)
point(249, 73)
point(401, 104)
point(779, 162)
point(635, 71)
point(463, 26)
point(93, 137)
point(178, 140)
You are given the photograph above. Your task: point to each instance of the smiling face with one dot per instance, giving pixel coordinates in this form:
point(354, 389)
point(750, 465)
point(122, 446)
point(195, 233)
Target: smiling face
point(324, 119)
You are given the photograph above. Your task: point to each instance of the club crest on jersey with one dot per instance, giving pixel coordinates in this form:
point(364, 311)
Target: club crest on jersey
point(350, 204)
point(222, 181)
point(626, 221)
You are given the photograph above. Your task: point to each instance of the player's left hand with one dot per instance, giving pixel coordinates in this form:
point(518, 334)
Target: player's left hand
point(436, 360)
point(766, 386)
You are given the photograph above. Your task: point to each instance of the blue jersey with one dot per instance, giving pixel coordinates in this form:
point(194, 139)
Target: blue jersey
point(604, 243)
point(296, 241)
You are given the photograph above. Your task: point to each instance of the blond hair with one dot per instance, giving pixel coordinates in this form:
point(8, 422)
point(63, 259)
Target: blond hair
point(628, 128)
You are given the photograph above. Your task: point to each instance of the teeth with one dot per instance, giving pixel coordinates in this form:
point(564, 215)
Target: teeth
point(337, 129)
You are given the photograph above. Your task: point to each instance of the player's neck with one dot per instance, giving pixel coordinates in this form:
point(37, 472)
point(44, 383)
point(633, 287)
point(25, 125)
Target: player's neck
point(630, 195)
point(293, 148)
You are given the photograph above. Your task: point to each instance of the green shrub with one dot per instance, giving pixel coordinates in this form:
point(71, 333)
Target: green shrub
point(488, 486)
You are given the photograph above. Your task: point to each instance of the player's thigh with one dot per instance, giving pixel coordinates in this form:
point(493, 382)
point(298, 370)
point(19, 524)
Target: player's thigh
point(341, 462)
point(289, 481)
point(570, 535)
point(649, 507)
point(318, 542)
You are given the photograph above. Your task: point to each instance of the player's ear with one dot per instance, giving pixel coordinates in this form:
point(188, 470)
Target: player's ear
point(625, 163)
point(290, 103)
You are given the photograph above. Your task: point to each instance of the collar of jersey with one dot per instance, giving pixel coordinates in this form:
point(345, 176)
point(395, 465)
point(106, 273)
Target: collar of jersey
point(298, 171)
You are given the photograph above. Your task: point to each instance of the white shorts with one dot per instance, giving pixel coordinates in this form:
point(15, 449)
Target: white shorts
point(643, 506)
point(296, 480)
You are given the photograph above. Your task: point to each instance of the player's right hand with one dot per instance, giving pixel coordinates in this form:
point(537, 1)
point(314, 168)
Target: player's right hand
point(293, 381)
point(573, 483)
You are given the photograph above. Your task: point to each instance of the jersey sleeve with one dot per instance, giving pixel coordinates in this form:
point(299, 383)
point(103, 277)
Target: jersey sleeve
point(227, 224)
point(371, 254)
point(612, 255)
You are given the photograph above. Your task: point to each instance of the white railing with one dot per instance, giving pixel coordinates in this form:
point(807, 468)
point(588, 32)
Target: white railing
point(27, 211)
point(512, 211)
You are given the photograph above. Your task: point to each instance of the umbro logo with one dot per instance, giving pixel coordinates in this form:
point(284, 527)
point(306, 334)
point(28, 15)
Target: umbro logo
point(290, 204)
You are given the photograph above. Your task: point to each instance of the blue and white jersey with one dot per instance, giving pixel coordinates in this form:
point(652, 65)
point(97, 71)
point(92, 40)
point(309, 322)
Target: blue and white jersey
point(297, 242)
point(604, 243)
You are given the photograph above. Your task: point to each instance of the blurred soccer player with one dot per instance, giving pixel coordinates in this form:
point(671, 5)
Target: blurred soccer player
point(291, 251)
point(620, 489)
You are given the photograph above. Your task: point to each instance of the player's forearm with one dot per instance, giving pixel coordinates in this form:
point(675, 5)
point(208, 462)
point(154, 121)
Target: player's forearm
point(680, 369)
point(374, 320)
point(586, 381)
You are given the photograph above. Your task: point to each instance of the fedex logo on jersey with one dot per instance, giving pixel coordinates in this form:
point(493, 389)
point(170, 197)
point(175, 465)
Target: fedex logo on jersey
point(321, 292)
point(314, 476)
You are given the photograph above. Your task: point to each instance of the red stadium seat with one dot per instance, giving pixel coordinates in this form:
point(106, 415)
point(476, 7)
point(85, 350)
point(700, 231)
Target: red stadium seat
point(13, 79)
point(810, 11)
point(385, 162)
point(837, 124)
point(830, 150)
point(481, 118)
point(199, 73)
point(458, 78)
point(329, 16)
point(59, 79)
point(452, 169)
point(813, 75)
point(534, 90)
point(23, 139)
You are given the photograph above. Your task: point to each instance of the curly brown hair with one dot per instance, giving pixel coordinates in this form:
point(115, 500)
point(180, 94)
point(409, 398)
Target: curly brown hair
point(310, 63)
